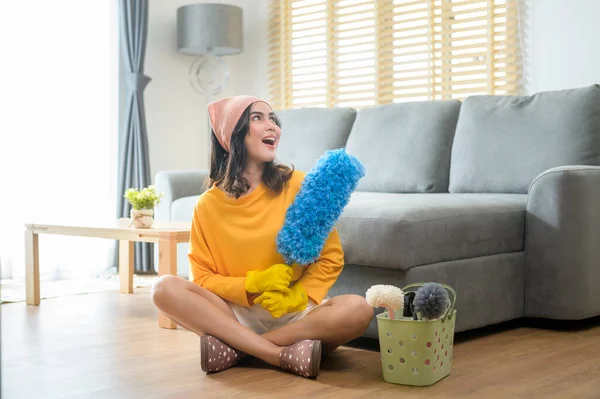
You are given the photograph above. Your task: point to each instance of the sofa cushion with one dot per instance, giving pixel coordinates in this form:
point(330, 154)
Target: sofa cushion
point(405, 147)
point(306, 133)
point(503, 142)
point(401, 231)
point(183, 208)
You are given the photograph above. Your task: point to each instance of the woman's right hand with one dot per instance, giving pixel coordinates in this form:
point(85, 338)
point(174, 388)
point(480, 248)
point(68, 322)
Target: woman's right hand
point(275, 278)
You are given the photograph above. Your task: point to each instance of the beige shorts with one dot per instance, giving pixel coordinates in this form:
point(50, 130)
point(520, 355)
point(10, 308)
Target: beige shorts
point(259, 320)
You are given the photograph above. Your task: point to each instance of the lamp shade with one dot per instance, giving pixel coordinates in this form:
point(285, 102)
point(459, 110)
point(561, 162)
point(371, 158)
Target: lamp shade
point(210, 28)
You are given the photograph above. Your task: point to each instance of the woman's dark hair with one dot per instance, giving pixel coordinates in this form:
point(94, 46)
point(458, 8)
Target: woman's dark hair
point(226, 169)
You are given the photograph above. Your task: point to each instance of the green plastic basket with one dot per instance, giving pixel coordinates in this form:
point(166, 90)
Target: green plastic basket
point(416, 352)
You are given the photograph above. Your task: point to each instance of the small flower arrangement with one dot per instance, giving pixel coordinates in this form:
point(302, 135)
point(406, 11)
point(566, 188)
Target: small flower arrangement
point(146, 198)
point(143, 203)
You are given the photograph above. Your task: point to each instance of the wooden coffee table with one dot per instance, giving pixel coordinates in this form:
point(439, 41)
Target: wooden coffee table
point(166, 234)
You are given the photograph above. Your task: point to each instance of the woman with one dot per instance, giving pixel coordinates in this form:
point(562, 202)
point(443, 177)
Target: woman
point(242, 299)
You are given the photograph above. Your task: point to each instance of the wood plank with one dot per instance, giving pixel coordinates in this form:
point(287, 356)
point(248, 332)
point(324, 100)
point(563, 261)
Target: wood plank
point(118, 230)
point(106, 345)
point(167, 264)
point(32, 268)
point(126, 266)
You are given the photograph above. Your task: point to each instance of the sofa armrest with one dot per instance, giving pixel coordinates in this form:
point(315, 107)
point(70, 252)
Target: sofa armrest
point(562, 244)
point(177, 184)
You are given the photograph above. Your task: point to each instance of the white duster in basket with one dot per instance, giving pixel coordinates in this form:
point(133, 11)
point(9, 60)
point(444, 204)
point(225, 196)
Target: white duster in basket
point(387, 296)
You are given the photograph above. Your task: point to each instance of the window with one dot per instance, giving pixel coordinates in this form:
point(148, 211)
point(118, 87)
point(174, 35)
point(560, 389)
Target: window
point(58, 142)
point(357, 53)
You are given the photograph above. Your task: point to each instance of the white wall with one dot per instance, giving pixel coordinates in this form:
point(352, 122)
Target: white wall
point(562, 43)
point(176, 113)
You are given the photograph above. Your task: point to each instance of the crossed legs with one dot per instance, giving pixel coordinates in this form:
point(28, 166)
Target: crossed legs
point(336, 322)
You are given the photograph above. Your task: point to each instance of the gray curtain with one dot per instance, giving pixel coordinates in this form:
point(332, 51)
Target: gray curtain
point(134, 163)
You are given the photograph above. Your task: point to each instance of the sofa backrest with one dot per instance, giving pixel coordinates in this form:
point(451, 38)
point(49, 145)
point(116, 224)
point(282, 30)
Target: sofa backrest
point(405, 147)
point(503, 142)
point(306, 133)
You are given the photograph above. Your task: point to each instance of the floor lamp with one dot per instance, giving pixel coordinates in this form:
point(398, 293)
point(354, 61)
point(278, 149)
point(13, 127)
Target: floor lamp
point(209, 31)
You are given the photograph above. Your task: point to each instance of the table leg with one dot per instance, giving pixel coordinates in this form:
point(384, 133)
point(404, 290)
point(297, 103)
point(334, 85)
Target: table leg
point(126, 265)
point(167, 264)
point(32, 268)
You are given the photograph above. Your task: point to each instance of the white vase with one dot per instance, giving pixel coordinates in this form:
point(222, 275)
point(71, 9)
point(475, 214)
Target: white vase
point(142, 218)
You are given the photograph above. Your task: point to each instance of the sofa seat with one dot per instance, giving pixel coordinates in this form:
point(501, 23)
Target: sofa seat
point(183, 208)
point(401, 231)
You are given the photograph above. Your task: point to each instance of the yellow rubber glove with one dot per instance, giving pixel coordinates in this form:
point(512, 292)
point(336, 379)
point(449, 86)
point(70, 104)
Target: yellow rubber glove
point(275, 278)
point(280, 303)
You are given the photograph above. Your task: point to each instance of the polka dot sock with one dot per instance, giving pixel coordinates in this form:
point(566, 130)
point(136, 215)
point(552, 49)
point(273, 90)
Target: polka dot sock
point(302, 358)
point(215, 355)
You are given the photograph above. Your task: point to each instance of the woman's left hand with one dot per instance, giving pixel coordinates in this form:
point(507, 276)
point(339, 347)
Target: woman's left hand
point(279, 303)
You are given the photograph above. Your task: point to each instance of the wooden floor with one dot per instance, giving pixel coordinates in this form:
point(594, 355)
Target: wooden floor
point(108, 345)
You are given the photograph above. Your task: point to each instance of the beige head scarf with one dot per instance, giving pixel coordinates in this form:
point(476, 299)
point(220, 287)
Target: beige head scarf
point(225, 114)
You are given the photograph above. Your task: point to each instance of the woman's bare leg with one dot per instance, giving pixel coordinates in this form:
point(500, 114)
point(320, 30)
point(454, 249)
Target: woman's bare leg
point(339, 320)
point(203, 312)
point(213, 298)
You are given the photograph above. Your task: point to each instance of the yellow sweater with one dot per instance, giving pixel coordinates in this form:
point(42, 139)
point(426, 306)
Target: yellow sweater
point(230, 237)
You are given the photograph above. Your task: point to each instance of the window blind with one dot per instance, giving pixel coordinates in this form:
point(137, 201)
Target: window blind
point(356, 53)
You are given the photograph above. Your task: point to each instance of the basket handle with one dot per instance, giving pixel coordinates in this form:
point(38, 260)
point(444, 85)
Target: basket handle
point(450, 310)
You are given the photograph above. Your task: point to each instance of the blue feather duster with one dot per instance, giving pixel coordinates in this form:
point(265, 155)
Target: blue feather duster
point(325, 192)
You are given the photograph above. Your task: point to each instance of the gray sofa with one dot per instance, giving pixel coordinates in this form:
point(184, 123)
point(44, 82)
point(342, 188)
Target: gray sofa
point(497, 196)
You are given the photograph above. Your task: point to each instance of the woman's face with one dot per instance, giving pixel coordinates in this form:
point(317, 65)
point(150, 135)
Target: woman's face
point(263, 134)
